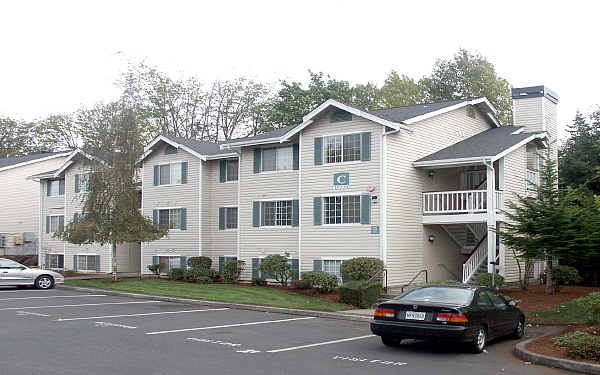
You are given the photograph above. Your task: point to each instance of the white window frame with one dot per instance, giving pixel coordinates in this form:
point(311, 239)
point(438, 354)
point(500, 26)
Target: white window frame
point(170, 209)
point(236, 219)
point(227, 180)
point(169, 263)
point(276, 201)
point(52, 193)
point(79, 268)
point(170, 173)
point(57, 223)
point(57, 265)
point(324, 156)
point(323, 221)
point(277, 170)
point(334, 259)
point(87, 183)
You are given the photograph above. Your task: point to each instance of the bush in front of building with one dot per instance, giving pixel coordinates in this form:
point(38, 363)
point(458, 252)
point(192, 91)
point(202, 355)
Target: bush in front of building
point(301, 284)
point(202, 274)
point(155, 269)
point(580, 344)
point(232, 270)
point(320, 281)
point(177, 274)
point(277, 267)
point(259, 281)
point(358, 293)
point(485, 279)
point(361, 268)
point(199, 262)
point(563, 275)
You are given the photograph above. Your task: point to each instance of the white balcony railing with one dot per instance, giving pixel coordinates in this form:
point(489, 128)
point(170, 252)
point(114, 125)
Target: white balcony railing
point(533, 179)
point(459, 202)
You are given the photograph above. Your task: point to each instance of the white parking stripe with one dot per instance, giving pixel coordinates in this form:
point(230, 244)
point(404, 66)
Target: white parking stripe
point(144, 314)
point(229, 325)
point(68, 296)
point(83, 304)
point(320, 344)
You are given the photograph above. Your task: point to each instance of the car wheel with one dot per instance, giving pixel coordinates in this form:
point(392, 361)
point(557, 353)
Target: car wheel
point(391, 341)
point(479, 341)
point(44, 282)
point(520, 330)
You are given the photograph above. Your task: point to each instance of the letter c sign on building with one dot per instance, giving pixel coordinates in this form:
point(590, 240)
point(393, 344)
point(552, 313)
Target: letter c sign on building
point(341, 180)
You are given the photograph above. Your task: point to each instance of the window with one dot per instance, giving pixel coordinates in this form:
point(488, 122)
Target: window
point(170, 218)
point(82, 182)
point(56, 188)
point(277, 159)
point(342, 209)
point(277, 213)
point(342, 148)
point(87, 262)
point(171, 174)
point(55, 223)
point(231, 218)
point(232, 170)
point(8, 264)
point(496, 299)
point(333, 266)
point(483, 300)
point(438, 295)
point(56, 261)
point(167, 263)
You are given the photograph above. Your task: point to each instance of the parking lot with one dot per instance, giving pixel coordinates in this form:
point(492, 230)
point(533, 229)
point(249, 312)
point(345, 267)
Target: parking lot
point(70, 332)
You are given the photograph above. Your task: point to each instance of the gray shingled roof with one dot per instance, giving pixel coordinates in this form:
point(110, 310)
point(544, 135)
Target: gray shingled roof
point(273, 133)
point(488, 143)
point(43, 175)
point(399, 114)
point(201, 147)
point(14, 160)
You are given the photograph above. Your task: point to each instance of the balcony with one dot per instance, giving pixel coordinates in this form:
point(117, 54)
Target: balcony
point(458, 206)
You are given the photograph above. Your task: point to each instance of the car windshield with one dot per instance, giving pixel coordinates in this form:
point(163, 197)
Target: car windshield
point(10, 264)
point(438, 295)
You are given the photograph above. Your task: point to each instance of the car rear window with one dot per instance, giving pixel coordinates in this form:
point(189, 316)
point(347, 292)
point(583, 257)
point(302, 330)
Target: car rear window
point(438, 295)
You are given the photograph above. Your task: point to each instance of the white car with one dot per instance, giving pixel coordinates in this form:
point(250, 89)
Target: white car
point(15, 274)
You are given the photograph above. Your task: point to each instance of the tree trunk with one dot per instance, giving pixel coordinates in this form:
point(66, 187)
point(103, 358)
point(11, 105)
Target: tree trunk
point(549, 279)
point(114, 261)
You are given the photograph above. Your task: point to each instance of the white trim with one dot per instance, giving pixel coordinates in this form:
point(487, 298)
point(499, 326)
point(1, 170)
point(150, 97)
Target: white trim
point(265, 141)
point(86, 254)
point(262, 226)
point(518, 131)
point(220, 156)
point(218, 175)
point(262, 154)
point(41, 222)
point(323, 156)
point(452, 108)
point(69, 161)
point(299, 208)
point(239, 186)
point(167, 208)
point(148, 149)
point(340, 194)
point(200, 199)
point(238, 219)
point(142, 212)
point(518, 145)
point(273, 199)
point(335, 257)
point(34, 161)
point(168, 255)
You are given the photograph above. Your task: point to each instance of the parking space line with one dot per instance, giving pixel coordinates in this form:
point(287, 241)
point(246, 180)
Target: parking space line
point(229, 325)
point(142, 314)
point(37, 297)
point(319, 344)
point(78, 305)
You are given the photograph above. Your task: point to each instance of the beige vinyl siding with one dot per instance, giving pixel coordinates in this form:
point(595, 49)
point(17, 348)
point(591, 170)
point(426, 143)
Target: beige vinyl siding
point(353, 240)
point(20, 202)
point(405, 184)
point(515, 165)
point(181, 243)
point(263, 241)
point(528, 112)
point(215, 242)
point(442, 251)
point(50, 206)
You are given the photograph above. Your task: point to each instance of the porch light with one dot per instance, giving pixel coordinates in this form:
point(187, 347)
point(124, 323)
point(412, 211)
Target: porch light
point(431, 238)
point(431, 173)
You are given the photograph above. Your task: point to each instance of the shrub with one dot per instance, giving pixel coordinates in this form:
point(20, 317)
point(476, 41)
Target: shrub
point(485, 279)
point(155, 269)
point(277, 267)
point(354, 293)
point(590, 305)
point(362, 268)
point(199, 262)
point(259, 281)
point(562, 275)
point(445, 282)
point(321, 281)
point(301, 284)
point(204, 280)
point(580, 345)
point(177, 274)
point(232, 270)
point(202, 274)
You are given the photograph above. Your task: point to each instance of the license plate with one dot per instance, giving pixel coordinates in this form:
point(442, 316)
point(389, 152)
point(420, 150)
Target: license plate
point(415, 315)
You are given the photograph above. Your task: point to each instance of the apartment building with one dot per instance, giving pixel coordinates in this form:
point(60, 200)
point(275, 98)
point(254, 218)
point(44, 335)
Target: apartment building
point(420, 187)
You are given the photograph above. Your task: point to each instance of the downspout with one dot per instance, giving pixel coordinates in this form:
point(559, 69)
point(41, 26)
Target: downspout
point(383, 209)
point(491, 214)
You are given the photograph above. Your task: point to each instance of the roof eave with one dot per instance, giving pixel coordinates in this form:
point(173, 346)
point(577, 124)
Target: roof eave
point(483, 100)
point(35, 161)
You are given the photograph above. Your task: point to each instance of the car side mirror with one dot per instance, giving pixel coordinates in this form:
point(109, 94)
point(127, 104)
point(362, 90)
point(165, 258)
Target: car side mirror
point(512, 303)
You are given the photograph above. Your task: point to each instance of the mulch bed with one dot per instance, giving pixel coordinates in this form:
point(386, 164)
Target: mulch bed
point(535, 298)
point(544, 345)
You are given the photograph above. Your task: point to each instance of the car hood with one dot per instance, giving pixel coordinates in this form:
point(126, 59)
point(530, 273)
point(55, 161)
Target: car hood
point(37, 272)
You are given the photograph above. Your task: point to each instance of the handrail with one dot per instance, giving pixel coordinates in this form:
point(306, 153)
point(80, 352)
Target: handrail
point(474, 261)
point(478, 244)
point(414, 278)
point(375, 276)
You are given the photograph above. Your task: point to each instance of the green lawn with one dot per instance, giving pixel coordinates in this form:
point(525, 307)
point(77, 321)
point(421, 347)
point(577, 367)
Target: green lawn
point(564, 313)
point(217, 292)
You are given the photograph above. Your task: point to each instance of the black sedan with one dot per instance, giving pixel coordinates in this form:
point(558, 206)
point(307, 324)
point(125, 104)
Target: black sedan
point(468, 314)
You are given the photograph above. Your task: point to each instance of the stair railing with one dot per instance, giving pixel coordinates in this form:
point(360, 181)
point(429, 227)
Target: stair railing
point(474, 262)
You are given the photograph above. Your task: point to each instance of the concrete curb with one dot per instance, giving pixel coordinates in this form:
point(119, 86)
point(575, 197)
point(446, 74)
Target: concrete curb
point(541, 359)
point(237, 306)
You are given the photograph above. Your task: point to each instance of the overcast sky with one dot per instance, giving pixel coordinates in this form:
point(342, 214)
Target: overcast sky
point(57, 56)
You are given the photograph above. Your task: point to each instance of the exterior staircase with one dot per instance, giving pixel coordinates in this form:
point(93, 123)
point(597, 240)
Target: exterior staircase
point(471, 241)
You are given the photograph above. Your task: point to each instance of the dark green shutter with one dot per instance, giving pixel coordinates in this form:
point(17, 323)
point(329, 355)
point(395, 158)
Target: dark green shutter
point(318, 151)
point(61, 187)
point(48, 183)
point(75, 216)
point(155, 217)
point(255, 268)
point(365, 146)
point(257, 156)
point(77, 183)
point(97, 263)
point(296, 154)
point(184, 170)
point(221, 264)
point(48, 261)
point(222, 170)
point(317, 210)
point(295, 269)
point(155, 260)
point(61, 223)
point(47, 224)
point(295, 212)
point(256, 214)
point(365, 209)
point(156, 175)
point(182, 262)
point(222, 218)
point(75, 263)
point(183, 218)
point(317, 265)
